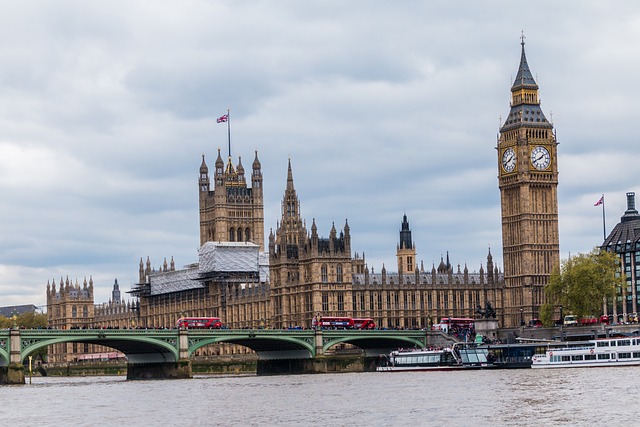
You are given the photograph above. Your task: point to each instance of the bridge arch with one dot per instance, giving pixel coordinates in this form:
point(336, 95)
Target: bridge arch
point(373, 346)
point(4, 357)
point(139, 348)
point(267, 344)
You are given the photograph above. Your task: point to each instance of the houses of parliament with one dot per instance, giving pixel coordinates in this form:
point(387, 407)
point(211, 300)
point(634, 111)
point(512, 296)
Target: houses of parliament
point(299, 275)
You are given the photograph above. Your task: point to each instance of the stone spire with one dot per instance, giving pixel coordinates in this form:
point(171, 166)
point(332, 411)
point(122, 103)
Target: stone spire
point(524, 78)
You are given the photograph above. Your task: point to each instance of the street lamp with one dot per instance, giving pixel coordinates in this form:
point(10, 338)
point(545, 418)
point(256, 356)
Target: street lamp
point(14, 317)
point(30, 368)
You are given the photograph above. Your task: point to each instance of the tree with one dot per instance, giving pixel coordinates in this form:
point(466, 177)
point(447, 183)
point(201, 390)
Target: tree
point(581, 283)
point(26, 320)
point(31, 320)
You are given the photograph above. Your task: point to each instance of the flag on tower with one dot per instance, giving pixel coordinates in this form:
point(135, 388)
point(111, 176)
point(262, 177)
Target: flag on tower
point(223, 119)
point(599, 202)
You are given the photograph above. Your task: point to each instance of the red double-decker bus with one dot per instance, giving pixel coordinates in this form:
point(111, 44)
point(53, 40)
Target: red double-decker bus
point(199, 323)
point(448, 324)
point(335, 322)
point(364, 324)
point(332, 322)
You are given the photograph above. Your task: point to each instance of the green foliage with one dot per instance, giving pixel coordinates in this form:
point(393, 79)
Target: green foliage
point(27, 320)
point(5, 322)
point(580, 285)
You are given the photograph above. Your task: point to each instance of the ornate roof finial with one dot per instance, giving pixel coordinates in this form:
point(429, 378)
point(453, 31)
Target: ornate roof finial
point(522, 38)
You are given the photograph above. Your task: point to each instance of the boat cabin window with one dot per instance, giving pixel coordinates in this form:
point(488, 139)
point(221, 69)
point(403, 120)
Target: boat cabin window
point(566, 358)
point(603, 356)
point(624, 342)
point(613, 344)
point(589, 357)
point(603, 343)
point(624, 355)
point(636, 354)
point(577, 357)
point(474, 355)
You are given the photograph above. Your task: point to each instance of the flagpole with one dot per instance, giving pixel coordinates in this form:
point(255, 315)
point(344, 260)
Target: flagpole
point(604, 227)
point(229, 131)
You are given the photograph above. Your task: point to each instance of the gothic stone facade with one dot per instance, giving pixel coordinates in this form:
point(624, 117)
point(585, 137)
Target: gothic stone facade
point(70, 306)
point(528, 181)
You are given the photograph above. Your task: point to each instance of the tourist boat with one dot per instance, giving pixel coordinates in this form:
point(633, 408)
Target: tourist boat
point(600, 352)
point(459, 356)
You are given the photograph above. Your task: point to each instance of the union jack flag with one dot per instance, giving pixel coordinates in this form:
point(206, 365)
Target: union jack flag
point(599, 202)
point(223, 119)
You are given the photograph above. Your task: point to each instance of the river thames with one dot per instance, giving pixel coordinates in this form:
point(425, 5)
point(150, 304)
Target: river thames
point(572, 397)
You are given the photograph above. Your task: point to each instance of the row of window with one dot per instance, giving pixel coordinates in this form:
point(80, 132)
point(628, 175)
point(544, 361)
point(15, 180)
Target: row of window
point(415, 360)
point(238, 235)
point(619, 343)
point(74, 311)
point(324, 273)
point(606, 356)
point(410, 301)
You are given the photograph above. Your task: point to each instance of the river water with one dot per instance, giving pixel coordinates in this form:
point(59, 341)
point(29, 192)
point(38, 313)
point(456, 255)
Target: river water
point(571, 397)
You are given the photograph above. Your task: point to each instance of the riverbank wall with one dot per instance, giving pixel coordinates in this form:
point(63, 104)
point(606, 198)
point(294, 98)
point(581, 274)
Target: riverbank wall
point(248, 364)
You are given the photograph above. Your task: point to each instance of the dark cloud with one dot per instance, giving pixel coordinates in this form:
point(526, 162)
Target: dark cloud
point(386, 109)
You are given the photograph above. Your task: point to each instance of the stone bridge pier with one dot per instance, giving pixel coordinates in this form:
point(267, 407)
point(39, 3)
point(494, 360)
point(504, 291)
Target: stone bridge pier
point(140, 369)
point(13, 373)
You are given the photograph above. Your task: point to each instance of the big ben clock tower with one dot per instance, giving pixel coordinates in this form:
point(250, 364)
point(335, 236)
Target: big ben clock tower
point(528, 181)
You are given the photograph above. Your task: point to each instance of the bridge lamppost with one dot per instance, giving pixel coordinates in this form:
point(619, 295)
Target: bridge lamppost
point(30, 368)
point(14, 317)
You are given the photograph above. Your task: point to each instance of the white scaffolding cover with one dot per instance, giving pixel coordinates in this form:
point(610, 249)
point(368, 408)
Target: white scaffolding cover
point(229, 257)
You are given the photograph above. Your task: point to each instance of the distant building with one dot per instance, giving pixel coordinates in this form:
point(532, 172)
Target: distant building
point(70, 306)
point(624, 240)
point(10, 310)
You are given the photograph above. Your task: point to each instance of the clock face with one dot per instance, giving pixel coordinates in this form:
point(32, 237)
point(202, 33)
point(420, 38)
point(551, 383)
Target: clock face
point(540, 158)
point(509, 160)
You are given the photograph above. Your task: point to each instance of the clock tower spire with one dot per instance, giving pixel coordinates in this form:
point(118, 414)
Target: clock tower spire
point(528, 181)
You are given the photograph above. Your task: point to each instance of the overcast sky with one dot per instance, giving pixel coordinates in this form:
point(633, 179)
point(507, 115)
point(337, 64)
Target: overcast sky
point(384, 108)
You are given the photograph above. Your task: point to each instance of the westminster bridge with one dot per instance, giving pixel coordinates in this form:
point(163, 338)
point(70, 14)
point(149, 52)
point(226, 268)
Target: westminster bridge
point(166, 353)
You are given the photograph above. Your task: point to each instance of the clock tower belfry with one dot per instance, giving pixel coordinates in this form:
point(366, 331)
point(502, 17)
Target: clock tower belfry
point(528, 181)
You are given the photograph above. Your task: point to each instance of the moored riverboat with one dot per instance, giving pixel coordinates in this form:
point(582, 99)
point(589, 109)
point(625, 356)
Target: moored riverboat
point(513, 356)
point(457, 357)
point(593, 353)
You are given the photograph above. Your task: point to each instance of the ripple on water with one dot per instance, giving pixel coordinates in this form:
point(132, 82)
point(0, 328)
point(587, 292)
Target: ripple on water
point(479, 398)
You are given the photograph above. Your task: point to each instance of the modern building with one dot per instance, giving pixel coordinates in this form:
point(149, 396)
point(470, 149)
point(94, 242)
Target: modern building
point(624, 240)
point(528, 181)
point(10, 310)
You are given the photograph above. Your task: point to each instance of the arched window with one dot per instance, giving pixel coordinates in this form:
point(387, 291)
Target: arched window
point(239, 235)
point(232, 234)
point(339, 273)
point(74, 311)
point(85, 312)
point(247, 234)
point(323, 273)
